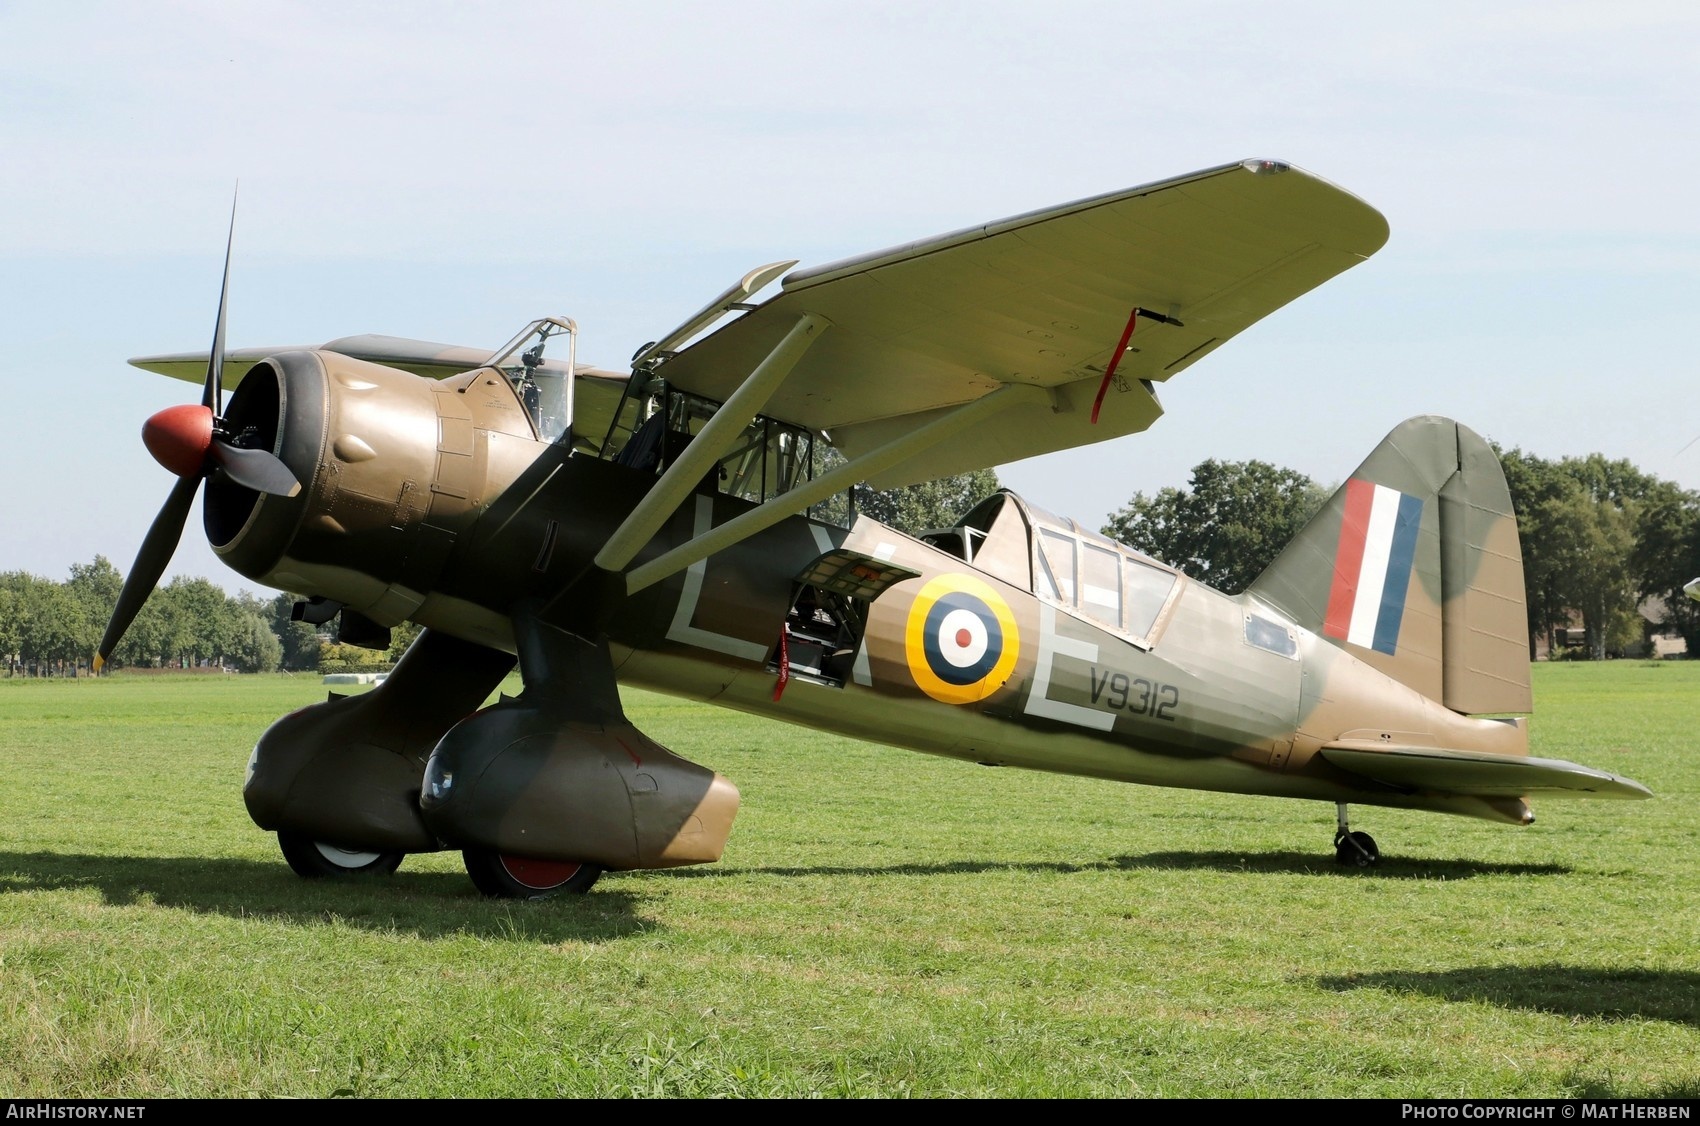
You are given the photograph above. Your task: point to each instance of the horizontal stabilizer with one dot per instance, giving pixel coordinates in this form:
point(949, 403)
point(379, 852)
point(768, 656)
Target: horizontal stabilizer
point(1476, 774)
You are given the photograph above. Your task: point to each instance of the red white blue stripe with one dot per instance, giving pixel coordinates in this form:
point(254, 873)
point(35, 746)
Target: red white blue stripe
point(1372, 566)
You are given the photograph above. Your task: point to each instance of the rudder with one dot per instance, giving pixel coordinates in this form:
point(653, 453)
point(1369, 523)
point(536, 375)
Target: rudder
point(1414, 567)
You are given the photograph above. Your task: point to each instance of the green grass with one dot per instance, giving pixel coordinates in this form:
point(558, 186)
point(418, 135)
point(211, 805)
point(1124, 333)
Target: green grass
point(883, 924)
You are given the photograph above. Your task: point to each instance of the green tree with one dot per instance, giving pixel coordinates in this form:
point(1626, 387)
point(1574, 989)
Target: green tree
point(400, 638)
point(908, 508)
point(251, 646)
point(928, 505)
point(1606, 586)
point(298, 642)
point(193, 609)
point(1579, 522)
point(11, 624)
point(97, 586)
point(1603, 586)
point(1667, 556)
point(146, 643)
point(1230, 523)
point(94, 587)
point(336, 657)
point(1551, 534)
point(57, 628)
point(26, 601)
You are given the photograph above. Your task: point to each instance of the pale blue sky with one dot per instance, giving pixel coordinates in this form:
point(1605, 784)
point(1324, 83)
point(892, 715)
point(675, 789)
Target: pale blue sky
point(450, 171)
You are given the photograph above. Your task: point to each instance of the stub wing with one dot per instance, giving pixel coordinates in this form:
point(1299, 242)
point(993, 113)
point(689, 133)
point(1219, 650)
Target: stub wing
point(1042, 299)
point(421, 357)
point(1475, 774)
point(596, 395)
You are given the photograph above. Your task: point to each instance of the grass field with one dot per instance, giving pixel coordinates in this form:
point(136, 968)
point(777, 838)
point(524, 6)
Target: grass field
point(883, 924)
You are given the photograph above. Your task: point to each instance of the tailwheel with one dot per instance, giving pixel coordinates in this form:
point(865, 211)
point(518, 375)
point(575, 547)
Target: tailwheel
point(1352, 850)
point(519, 877)
point(1356, 850)
point(315, 860)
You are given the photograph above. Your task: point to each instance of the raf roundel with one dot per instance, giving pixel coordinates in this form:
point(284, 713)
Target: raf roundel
point(961, 640)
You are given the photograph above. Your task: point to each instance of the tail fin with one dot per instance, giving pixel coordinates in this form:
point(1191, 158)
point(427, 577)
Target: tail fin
point(1414, 567)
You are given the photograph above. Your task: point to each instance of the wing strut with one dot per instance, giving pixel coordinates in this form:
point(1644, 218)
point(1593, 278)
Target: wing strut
point(734, 298)
point(717, 437)
point(817, 490)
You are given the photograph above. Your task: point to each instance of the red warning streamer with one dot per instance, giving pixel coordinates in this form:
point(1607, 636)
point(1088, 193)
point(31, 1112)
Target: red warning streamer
point(1110, 371)
point(784, 665)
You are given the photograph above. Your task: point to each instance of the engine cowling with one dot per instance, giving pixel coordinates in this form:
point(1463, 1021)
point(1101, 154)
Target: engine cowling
point(395, 469)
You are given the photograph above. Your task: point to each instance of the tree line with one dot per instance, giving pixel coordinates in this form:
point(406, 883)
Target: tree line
point(1600, 539)
point(50, 628)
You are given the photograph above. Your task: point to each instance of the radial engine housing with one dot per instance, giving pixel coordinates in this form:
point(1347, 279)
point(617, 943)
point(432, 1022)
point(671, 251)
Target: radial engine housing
point(395, 469)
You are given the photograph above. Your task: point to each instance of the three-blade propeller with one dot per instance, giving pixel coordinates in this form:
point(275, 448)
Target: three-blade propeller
point(193, 442)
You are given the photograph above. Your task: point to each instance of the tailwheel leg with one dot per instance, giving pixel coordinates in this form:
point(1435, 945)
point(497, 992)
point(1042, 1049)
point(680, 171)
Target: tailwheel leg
point(517, 877)
point(1351, 849)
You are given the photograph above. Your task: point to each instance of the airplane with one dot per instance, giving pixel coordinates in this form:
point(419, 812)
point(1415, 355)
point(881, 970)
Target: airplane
point(682, 526)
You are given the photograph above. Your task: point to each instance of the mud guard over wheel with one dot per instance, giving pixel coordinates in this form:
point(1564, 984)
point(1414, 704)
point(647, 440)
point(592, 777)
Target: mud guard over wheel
point(516, 877)
point(544, 792)
point(347, 770)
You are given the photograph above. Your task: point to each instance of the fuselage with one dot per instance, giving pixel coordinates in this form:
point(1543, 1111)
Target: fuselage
point(1016, 638)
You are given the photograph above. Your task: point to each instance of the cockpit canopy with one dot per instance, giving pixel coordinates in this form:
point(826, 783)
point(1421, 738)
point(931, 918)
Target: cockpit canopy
point(1063, 563)
point(544, 386)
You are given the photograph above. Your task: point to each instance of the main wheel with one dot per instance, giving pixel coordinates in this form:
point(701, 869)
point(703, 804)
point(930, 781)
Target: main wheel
point(1356, 850)
point(519, 877)
point(315, 860)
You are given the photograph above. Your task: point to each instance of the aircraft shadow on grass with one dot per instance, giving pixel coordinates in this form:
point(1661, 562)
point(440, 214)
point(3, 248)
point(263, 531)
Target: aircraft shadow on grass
point(1592, 992)
point(1296, 863)
point(1311, 864)
point(439, 904)
point(430, 904)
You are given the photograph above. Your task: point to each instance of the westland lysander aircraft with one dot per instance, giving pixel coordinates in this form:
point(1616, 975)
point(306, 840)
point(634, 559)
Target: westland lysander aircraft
point(682, 528)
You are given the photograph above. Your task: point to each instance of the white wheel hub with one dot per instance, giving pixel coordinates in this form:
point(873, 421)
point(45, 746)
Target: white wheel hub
point(343, 858)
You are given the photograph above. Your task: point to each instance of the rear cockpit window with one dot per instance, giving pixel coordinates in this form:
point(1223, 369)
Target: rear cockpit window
point(1101, 584)
point(1273, 636)
point(1056, 551)
point(1148, 590)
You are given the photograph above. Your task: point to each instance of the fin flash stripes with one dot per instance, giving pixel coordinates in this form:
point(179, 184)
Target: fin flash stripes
point(1372, 566)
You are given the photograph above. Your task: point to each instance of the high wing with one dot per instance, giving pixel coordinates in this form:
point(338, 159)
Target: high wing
point(1041, 299)
point(1439, 771)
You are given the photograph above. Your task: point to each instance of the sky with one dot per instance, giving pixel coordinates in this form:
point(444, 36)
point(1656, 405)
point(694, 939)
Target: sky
point(450, 171)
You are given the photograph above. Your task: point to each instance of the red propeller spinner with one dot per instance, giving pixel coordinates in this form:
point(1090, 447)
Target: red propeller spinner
point(180, 438)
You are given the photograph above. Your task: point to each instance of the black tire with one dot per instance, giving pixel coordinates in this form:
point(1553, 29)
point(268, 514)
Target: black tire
point(517, 877)
point(316, 860)
point(1356, 850)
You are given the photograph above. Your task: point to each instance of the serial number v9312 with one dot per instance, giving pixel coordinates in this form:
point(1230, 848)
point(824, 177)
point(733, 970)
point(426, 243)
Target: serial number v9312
point(1135, 694)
